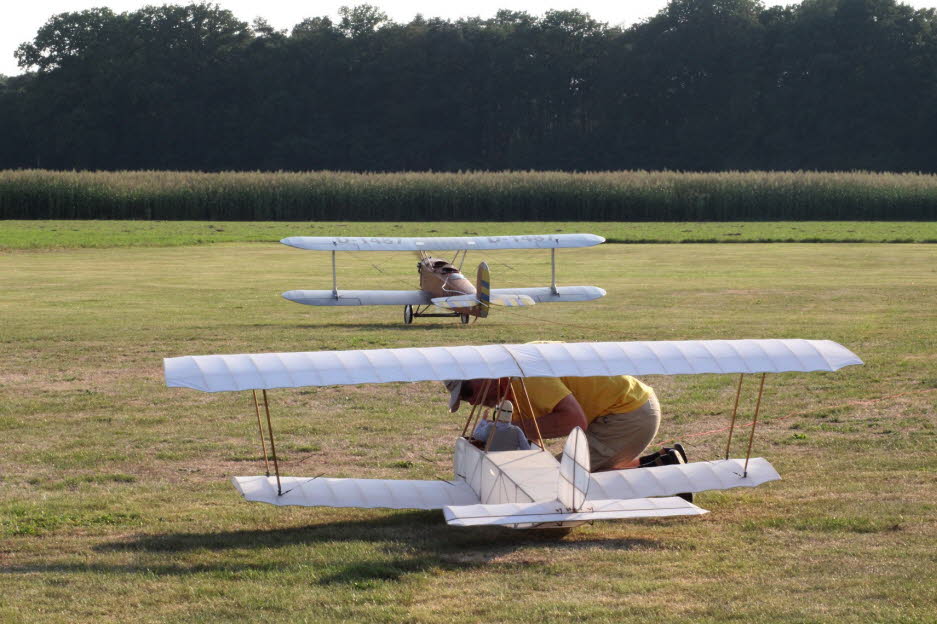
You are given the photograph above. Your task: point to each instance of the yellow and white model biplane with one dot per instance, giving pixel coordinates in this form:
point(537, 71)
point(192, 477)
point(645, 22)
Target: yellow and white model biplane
point(442, 283)
point(517, 488)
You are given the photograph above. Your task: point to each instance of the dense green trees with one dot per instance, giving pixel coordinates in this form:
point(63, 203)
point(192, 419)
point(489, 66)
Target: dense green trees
point(704, 85)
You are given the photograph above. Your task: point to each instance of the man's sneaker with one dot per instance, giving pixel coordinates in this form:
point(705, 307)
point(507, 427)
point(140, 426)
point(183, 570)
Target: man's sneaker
point(674, 457)
point(679, 448)
point(678, 456)
point(650, 460)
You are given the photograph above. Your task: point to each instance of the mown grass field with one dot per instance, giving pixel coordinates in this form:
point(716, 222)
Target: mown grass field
point(115, 505)
point(58, 234)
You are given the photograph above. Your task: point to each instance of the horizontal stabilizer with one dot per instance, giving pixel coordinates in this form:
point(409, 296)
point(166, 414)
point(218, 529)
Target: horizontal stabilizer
point(357, 297)
point(468, 301)
point(554, 511)
point(512, 301)
point(457, 302)
point(545, 294)
point(365, 493)
point(670, 480)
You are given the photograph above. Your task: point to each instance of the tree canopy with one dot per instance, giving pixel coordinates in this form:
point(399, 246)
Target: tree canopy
point(703, 85)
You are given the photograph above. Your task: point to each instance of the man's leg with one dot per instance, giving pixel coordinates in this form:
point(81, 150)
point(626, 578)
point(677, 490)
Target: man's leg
point(616, 441)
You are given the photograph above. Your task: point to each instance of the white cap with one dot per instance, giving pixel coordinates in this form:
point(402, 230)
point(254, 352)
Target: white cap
point(504, 412)
point(454, 386)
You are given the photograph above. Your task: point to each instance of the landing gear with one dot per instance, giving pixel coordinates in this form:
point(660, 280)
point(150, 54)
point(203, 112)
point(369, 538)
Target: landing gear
point(421, 310)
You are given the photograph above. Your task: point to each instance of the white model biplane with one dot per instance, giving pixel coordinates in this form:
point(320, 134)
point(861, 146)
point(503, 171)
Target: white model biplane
point(521, 489)
point(442, 283)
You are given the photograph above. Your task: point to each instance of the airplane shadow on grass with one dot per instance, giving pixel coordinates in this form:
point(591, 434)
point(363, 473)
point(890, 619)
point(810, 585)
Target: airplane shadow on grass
point(353, 326)
point(413, 542)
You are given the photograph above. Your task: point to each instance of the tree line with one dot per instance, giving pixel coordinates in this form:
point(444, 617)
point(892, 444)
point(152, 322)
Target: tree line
point(705, 85)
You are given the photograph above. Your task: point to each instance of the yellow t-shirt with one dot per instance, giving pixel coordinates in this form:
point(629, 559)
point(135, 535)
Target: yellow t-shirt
point(598, 396)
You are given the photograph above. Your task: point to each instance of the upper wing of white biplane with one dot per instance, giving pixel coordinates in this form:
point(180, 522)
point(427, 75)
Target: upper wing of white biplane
point(218, 373)
point(441, 243)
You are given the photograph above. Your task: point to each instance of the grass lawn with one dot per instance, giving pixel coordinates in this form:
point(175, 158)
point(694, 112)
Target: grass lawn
point(68, 234)
point(115, 505)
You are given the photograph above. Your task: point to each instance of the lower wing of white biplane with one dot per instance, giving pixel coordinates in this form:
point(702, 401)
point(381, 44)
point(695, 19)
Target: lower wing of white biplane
point(546, 294)
point(722, 474)
point(358, 297)
point(460, 504)
point(522, 489)
point(364, 493)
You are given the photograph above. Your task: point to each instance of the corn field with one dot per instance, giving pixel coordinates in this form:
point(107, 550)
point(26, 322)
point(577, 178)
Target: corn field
point(470, 196)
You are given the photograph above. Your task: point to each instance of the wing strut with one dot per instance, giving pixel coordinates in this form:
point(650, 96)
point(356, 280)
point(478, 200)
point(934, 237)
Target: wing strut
point(334, 279)
point(273, 448)
point(553, 268)
point(751, 437)
point(260, 429)
point(754, 423)
point(533, 416)
point(735, 410)
point(493, 428)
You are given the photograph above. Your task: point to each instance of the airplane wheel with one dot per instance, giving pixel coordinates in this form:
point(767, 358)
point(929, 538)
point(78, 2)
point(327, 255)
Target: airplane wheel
point(407, 314)
point(464, 318)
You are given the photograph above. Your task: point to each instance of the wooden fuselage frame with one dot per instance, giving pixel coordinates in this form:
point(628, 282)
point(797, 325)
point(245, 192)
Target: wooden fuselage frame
point(441, 278)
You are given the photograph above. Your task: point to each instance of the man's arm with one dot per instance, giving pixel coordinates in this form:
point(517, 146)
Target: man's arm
point(566, 415)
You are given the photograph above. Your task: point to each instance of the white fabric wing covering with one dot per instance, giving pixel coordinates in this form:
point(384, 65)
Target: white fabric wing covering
point(218, 373)
point(724, 474)
point(357, 297)
point(365, 493)
point(563, 294)
point(442, 243)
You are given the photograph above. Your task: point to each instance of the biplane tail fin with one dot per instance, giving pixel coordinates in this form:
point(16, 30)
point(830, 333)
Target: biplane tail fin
point(483, 289)
point(573, 488)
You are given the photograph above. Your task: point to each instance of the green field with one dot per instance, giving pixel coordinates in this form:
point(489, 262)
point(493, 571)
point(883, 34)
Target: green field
point(115, 505)
point(71, 234)
point(419, 197)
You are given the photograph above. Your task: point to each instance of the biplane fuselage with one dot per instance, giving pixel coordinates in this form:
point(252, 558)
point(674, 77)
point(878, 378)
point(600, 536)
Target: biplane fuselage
point(440, 278)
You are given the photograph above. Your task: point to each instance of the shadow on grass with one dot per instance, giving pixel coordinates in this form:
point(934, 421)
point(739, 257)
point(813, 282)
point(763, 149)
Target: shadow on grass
point(390, 324)
point(394, 323)
point(415, 531)
point(413, 542)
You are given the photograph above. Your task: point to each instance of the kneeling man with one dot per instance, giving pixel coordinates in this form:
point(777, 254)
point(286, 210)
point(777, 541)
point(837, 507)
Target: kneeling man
point(619, 414)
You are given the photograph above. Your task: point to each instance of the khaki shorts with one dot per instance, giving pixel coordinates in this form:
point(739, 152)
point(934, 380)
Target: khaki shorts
point(617, 438)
